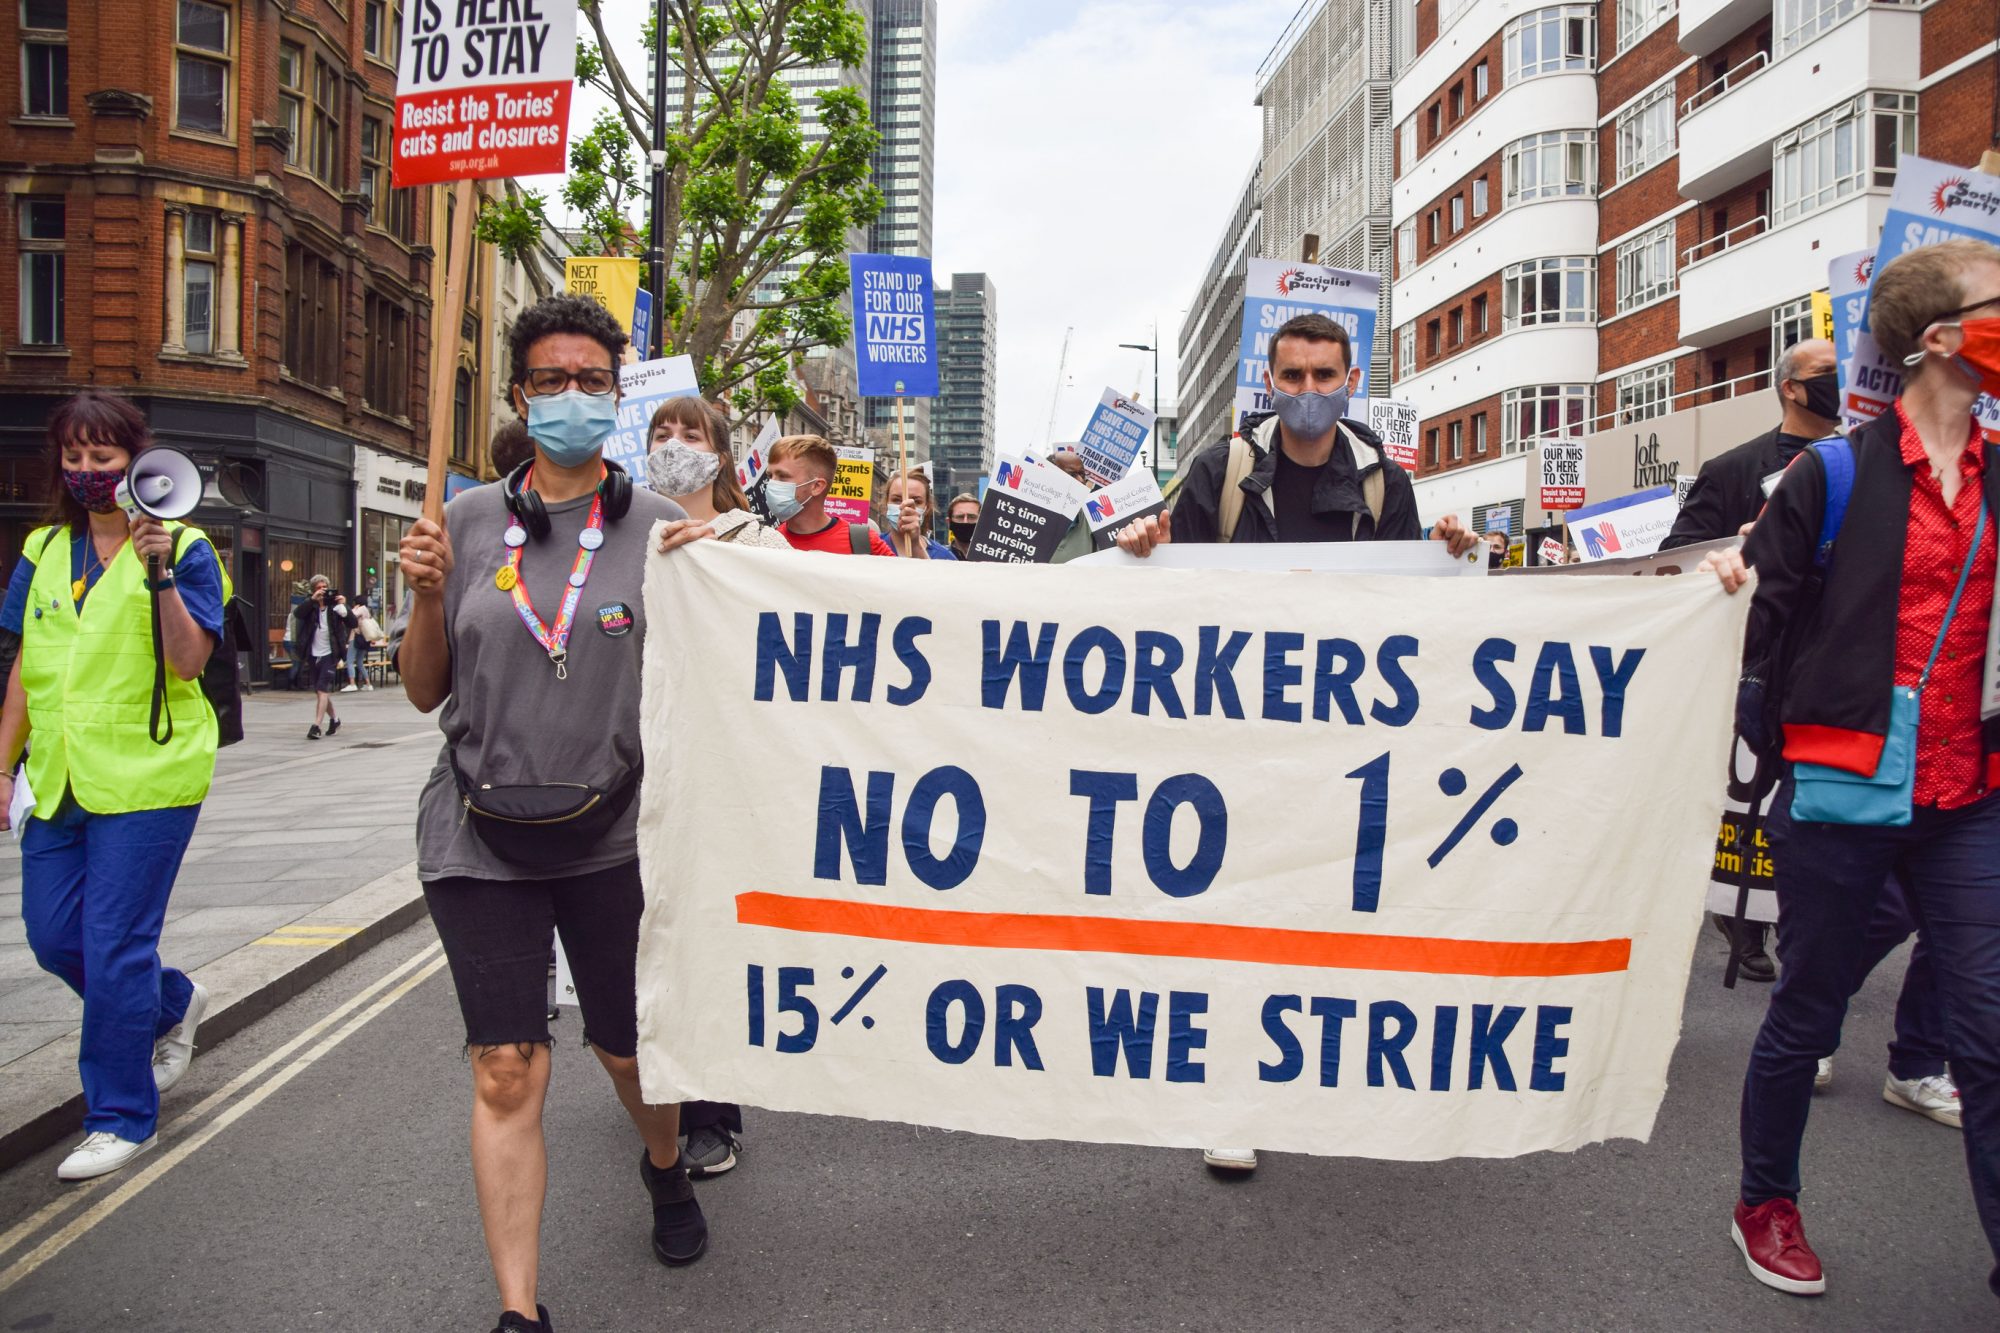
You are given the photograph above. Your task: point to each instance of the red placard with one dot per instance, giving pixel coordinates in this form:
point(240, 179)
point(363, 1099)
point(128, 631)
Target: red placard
point(483, 90)
point(1558, 498)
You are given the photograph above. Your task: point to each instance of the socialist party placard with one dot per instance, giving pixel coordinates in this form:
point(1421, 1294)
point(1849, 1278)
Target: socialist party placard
point(483, 89)
point(1025, 512)
point(642, 387)
point(1112, 440)
point(895, 325)
point(1277, 290)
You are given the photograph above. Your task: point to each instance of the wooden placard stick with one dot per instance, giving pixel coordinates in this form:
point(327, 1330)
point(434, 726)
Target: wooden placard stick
point(447, 322)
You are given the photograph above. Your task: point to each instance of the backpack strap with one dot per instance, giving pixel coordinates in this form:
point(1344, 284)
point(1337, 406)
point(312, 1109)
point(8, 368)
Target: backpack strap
point(857, 539)
point(1374, 485)
point(1229, 505)
point(1836, 455)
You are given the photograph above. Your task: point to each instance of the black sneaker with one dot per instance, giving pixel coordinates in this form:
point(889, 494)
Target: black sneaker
point(711, 1150)
point(314, 733)
point(332, 725)
point(1753, 962)
point(513, 1321)
point(680, 1232)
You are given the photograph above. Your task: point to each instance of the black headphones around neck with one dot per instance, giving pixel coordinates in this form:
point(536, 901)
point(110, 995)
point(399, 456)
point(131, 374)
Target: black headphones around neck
point(615, 490)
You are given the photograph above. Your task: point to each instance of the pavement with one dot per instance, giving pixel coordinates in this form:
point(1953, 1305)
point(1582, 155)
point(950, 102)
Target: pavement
point(302, 858)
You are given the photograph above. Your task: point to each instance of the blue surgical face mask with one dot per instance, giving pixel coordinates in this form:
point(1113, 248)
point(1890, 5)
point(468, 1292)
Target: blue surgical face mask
point(572, 425)
point(782, 498)
point(892, 514)
point(1310, 416)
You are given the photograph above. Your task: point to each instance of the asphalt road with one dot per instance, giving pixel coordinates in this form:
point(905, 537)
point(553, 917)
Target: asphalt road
point(323, 1184)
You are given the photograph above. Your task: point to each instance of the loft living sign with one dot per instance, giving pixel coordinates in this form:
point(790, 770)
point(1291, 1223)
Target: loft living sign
point(1648, 470)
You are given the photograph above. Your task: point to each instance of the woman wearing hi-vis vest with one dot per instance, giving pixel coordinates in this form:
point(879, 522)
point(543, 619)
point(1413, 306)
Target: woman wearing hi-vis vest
point(113, 809)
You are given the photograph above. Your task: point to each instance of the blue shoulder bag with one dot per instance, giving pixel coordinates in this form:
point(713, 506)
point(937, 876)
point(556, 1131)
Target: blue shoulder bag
point(1823, 795)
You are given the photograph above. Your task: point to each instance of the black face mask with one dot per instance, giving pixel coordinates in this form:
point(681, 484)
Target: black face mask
point(1822, 395)
point(961, 531)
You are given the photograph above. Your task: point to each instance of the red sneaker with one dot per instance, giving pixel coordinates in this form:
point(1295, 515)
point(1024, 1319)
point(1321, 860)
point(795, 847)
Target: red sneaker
point(1773, 1240)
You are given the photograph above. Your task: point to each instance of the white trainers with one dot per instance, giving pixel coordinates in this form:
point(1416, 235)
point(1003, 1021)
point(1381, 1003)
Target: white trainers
point(1934, 1097)
point(367, 684)
point(1231, 1159)
point(349, 688)
point(1824, 1075)
point(173, 1053)
point(99, 1155)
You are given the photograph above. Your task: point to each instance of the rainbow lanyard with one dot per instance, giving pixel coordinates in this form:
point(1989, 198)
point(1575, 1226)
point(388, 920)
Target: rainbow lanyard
point(554, 642)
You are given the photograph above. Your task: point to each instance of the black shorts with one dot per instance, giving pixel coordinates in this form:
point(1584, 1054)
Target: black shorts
point(322, 674)
point(498, 935)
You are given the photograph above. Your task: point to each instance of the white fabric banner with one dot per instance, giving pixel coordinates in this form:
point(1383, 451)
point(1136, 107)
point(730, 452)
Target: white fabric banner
point(1330, 863)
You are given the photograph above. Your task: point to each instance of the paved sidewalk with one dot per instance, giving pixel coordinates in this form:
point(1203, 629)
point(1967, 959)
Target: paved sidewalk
point(291, 826)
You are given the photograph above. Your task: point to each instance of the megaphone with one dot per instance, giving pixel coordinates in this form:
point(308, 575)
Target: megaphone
point(162, 483)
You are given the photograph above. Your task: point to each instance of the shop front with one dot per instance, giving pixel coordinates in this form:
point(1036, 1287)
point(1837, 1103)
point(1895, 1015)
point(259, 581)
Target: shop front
point(390, 497)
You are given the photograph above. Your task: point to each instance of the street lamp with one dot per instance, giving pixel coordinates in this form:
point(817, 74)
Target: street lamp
point(1155, 350)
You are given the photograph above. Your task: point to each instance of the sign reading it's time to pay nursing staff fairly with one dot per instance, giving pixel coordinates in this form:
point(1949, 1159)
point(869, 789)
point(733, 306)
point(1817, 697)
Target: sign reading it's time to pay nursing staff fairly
point(483, 89)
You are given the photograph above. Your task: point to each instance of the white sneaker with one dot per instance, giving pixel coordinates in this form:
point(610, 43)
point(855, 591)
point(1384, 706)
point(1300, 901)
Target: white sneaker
point(1935, 1097)
point(1231, 1159)
point(349, 688)
point(367, 684)
point(99, 1155)
point(1824, 1075)
point(173, 1053)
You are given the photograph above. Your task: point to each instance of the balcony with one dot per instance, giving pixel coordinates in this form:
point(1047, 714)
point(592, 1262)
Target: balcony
point(1727, 128)
point(1537, 354)
point(1730, 283)
point(1707, 24)
point(1564, 226)
point(1550, 102)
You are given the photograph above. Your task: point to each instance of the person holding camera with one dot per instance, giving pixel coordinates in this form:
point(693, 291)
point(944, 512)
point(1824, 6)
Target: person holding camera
point(321, 626)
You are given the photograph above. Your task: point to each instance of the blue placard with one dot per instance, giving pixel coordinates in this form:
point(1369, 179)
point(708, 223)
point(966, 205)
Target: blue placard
point(895, 326)
point(642, 324)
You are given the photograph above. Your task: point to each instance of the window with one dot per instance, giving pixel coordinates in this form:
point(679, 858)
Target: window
point(292, 98)
point(1407, 150)
point(1436, 116)
point(374, 170)
point(201, 68)
point(1646, 133)
point(1527, 415)
point(1479, 85)
point(1549, 166)
point(1797, 22)
point(1457, 214)
point(1406, 350)
point(198, 247)
point(1636, 18)
point(1646, 393)
point(312, 317)
point(1431, 448)
point(381, 26)
point(1479, 434)
point(1855, 145)
point(1551, 41)
point(1457, 102)
point(1479, 319)
point(44, 224)
point(1406, 246)
point(385, 374)
point(324, 160)
point(1457, 326)
point(45, 58)
point(1561, 290)
point(1479, 197)
point(1456, 431)
point(461, 417)
point(1433, 337)
point(1791, 323)
point(1435, 221)
point(1646, 267)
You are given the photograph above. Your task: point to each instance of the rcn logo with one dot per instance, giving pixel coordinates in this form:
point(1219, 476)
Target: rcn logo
point(1601, 540)
point(1009, 476)
point(1100, 508)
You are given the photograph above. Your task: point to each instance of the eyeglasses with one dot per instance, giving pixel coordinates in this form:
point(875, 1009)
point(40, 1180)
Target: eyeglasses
point(595, 381)
point(1950, 315)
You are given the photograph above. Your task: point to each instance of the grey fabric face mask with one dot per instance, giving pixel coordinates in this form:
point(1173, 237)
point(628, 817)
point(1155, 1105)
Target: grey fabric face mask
point(1310, 416)
point(679, 469)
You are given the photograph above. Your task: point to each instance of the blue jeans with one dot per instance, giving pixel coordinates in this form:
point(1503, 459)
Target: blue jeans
point(357, 648)
point(1830, 883)
point(94, 896)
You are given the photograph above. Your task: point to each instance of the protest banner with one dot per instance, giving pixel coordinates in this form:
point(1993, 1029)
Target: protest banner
point(1042, 885)
point(1025, 512)
point(1113, 438)
point(1630, 525)
point(1395, 421)
point(1128, 500)
point(642, 387)
point(1275, 290)
point(853, 491)
point(1553, 551)
point(1424, 559)
point(482, 91)
point(612, 282)
point(1562, 475)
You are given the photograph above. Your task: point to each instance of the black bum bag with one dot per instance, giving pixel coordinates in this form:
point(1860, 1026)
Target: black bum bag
point(545, 825)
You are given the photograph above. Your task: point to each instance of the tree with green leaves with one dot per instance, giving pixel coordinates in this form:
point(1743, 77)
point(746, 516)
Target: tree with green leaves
point(760, 198)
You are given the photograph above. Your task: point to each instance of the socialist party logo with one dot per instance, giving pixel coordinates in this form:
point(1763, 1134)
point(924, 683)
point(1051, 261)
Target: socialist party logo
point(1957, 192)
point(1295, 280)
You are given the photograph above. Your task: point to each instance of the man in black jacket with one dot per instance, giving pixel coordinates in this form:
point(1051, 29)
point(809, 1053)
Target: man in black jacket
point(320, 627)
point(1312, 476)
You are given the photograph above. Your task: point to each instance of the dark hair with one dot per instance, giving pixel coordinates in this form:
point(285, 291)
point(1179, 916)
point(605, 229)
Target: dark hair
point(1314, 329)
point(565, 313)
point(99, 418)
point(725, 494)
point(511, 447)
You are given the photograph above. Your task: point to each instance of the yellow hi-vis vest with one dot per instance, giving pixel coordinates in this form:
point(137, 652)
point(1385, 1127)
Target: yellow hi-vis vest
point(88, 676)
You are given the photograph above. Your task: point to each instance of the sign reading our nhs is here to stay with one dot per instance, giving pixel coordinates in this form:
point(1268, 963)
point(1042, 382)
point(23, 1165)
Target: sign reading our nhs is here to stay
point(483, 89)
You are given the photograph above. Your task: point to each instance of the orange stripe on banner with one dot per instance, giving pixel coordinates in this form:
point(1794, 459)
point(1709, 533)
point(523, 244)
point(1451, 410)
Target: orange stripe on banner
point(1183, 939)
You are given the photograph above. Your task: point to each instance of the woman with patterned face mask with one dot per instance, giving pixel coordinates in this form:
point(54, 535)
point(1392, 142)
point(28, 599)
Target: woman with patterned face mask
point(689, 462)
point(116, 797)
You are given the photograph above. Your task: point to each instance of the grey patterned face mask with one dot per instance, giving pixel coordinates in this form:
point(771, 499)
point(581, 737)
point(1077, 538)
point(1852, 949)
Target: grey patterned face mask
point(679, 469)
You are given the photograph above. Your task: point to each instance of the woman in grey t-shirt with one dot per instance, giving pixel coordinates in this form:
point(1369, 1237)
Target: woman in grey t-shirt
point(527, 630)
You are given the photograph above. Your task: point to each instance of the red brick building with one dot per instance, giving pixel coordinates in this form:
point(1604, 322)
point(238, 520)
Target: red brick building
point(198, 214)
point(1610, 211)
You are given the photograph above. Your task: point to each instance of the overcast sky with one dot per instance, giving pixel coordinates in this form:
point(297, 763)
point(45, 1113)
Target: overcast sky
point(1088, 155)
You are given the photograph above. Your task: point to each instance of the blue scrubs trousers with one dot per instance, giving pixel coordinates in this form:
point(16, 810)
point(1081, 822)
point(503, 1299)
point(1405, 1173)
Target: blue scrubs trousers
point(94, 895)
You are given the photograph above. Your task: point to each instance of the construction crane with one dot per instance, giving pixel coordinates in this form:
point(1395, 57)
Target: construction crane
point(1062, 364)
